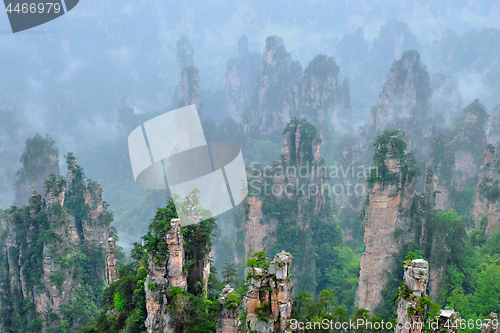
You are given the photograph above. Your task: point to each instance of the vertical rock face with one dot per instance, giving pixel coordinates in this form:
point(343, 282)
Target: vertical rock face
point(46, 250)
point(469, 142)
point(394, 39)
point(440, 184)
point(415, 285)
point(185, 55)
point(494, 134)
point(39, 160)
point(296, 181)
point(352, 49)
point(278, 89)
point(405, 95)
point(240, 79)
point(228, 321)
point(487, 191)
point(322, 94)
point(111, 261)
point(387, 228)
point(268, 301)
point(189, 92)
point(163, 275)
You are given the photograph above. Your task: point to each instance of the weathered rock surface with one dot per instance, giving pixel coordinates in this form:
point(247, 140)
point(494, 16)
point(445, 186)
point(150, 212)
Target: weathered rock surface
point(404, 99)
point(439, 177)
point(189, 92)
point(268, 301)
point(446, 320)
point(163, 275)
point(278, 90)
point(40, 249)
point(111, 261)
point(324, 101)
point(487, 190)
point(228, 321)
point(304, 189)
point(416, 277)
point(387, 212)
point(240, 79)
point(469, 142)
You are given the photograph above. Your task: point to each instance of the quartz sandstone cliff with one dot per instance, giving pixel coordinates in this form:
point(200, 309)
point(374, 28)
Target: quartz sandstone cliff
point(415, 281)
point(164, 309)
point(303, 190)
point(241, 74)
point(324, 101)
point(278, 90)
point(165, 274)
point(487, 190)
point(469, 142)
point(268, 300)
point(387, 215)
point(42, 247)
point(404, 100)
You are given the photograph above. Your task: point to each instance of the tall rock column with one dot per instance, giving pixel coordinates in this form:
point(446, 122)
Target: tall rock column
point(241, 74)
point(163, 275)
point(295, 182)
point(268, 301)
point(111, 261)
point(442, 163)
point(411, 313)
point(229, 316)
point(278, 90)
point(404, 99)
point(469, 142)
point(487, 191)
point(387, 220)
point(319, 91)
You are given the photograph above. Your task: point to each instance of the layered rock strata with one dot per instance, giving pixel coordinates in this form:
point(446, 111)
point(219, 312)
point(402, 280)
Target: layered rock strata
point(387, 228)
point(469, 142)
point(324, 101)
point(411, 313)
point(297, 179)
point(163, 275)
point(278, 90)
point(268, 301)
point(111, 261)
point(487, 190)
point(404, 100)
point(241, 73)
